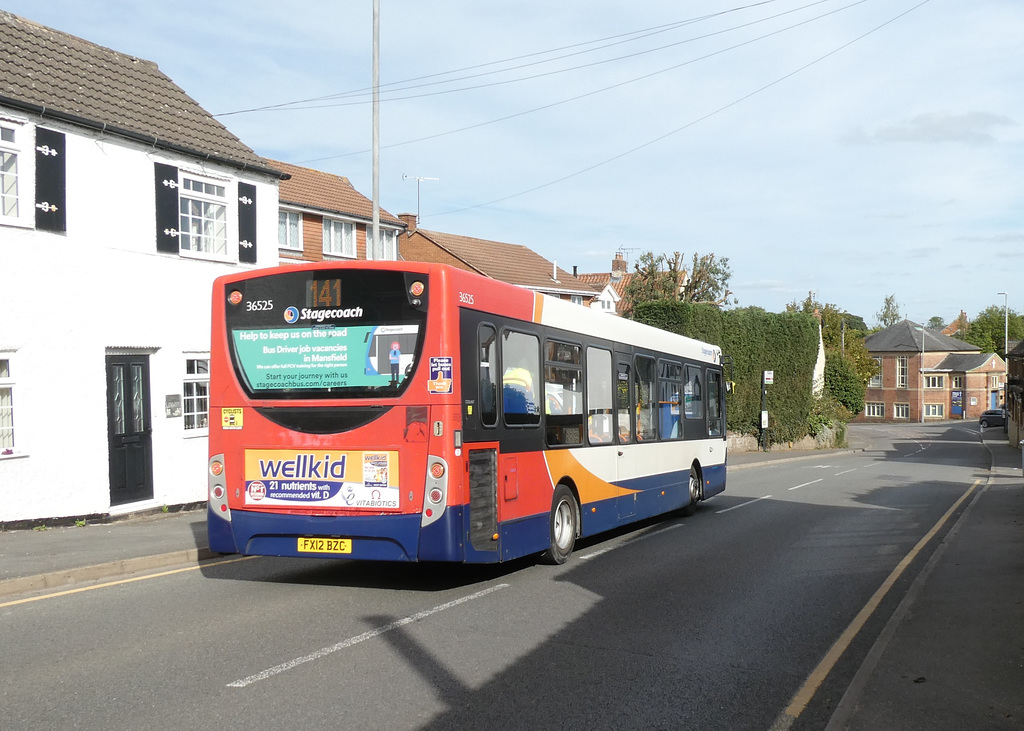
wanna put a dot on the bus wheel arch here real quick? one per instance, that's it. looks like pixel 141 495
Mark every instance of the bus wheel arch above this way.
pixel 695 487
pixel 563 525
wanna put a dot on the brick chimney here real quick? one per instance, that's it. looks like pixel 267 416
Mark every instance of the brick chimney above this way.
pixel 619 266
pixel 409 219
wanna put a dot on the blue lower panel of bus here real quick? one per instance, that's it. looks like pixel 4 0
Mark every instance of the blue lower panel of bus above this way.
pixel 714 479
pixel 374 538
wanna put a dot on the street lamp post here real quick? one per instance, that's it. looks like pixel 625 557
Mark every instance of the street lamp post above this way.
pixel 1006 345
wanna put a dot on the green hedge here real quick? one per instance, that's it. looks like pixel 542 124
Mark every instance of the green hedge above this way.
pixel 756 340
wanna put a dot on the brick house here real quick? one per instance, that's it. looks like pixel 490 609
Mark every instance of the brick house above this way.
pixel 610 285
pixel 323 217
pixel 924 375
pixel 512 263
pixel 121 199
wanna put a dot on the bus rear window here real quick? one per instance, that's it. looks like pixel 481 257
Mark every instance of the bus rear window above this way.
pixel 328 333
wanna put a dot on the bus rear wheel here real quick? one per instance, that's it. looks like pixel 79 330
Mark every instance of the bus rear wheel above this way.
pixel 563 526
pixel 695 491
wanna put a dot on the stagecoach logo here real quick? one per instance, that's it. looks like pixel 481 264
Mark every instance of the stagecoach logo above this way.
pixel 257 490
pixel 291 315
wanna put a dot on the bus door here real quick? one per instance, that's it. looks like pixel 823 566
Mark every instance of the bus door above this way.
pixel 625 424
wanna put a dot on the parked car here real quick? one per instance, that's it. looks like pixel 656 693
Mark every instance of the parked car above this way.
pixel 992 417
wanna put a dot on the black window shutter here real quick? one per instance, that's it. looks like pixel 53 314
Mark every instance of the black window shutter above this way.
pixel 51 181
pixel 247 223
pixel 166 208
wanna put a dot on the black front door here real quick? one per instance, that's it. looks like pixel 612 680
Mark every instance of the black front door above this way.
pixel 130 437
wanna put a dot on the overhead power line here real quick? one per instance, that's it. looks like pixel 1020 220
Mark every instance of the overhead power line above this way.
pixel 691 123
pixel 619 39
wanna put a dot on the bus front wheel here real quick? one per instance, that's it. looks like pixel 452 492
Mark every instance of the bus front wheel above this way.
pixel 564 525
pixel 695 491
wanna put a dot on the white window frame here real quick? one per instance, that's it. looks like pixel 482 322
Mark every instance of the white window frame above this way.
pixel 8 440
pixel 210 195
pixel 874 410
pixel 933 381
pixel 902 371
pixel 876 379
pixel 934 410
pixel 958 381
pixel 196 393
pixel 901 411
pixel 576 299
pixel 289 230
pixel 390 241
pixel 16 149
pixel 339 238
pixel 993 381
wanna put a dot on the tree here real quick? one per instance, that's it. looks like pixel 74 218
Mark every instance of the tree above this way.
pixel 889 315
pixel 659 277
pixel 936 323
pixel 987 329
pixel 843 383
pixel 841 332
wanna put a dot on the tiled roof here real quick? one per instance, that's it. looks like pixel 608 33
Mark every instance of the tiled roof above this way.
pixel 43 70
pixel 962 362
pixel 326 192
pixel 907 336
pixel 512 263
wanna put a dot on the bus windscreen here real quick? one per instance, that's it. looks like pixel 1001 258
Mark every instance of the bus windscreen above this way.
pixel 326 334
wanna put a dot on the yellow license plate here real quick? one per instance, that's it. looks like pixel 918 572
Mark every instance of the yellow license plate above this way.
pixel 325 545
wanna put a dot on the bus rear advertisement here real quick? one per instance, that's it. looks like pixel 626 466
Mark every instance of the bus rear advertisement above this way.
pixel 416 412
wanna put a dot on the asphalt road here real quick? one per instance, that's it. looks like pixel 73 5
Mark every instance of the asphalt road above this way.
pixel 717 621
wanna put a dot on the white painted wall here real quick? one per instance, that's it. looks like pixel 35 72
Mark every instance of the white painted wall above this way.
pixel 67 300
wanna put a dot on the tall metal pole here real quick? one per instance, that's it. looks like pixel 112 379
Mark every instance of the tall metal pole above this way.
pixel 378 249
pixel 1006 345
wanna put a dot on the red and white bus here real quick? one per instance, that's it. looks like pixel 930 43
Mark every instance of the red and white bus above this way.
pixel 415 412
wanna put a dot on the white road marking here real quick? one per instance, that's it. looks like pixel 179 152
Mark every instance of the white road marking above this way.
pixel 797 487
pixel 323 652
pixel 595 554
pixel 844 472
pixel 742 505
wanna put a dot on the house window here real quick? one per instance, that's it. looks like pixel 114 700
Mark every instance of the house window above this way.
pixel 389 245
pixel 958 381
pixel 8 174
pixel 901 371
pixel 196 386
pixel 993 381
pixel 901 411
pixel 933 381
pixel 289 230
pixel 203 216
pixel 874 410
pixel 6 408
pixel 576 299
pixel 934 410
pixel 876 379
pixel 339 239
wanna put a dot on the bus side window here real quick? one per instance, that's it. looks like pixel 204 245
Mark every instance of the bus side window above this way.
pixel 646 400
pixel 488 349
pixel 624 418
pixel 714 404
pixel 520 354
pixel 670 385
pixel 693 392
pixel 599 396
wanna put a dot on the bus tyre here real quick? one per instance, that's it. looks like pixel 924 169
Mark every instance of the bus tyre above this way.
pixel 564 525
pixel 695 492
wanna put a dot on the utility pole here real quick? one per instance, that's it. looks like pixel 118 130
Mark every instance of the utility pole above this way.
pixel 376 134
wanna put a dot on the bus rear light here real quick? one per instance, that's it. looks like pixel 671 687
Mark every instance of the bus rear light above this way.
pixel 435 490
pixel 218 492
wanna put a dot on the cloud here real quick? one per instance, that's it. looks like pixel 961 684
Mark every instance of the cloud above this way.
pixel 972 128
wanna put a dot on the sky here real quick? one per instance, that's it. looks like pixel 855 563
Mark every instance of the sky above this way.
pixel 855 149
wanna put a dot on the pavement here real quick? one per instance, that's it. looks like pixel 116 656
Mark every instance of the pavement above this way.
pixel 951 657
